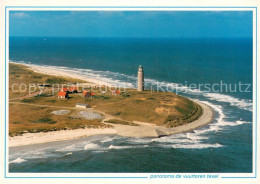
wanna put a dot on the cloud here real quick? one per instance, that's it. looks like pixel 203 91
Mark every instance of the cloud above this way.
pixel 19 15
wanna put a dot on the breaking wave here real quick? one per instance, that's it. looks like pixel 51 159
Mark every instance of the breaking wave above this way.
pixel 18 161
pixel 197 146
pixel 119 147
pixel 240 103
pixel 126 147
pixel 91 146
pixel 67 154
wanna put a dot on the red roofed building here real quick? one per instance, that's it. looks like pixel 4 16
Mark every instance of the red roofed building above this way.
pixel 73 89
pixel 63 94
pixel 86 94
pixel 118 92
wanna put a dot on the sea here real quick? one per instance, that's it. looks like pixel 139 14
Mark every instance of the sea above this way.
pixel 194 68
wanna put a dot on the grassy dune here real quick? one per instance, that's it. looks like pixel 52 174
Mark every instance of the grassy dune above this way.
pixel 20 74
pixel 160 108
pixel 26 118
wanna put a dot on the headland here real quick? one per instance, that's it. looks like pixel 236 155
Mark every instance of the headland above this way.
pixel 44 117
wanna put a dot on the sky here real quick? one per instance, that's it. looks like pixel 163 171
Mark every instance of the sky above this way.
pixel 137 24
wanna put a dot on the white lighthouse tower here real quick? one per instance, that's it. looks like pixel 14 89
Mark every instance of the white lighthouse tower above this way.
pixel 140 79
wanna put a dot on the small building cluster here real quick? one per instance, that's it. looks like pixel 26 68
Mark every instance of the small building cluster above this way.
pixel 64 92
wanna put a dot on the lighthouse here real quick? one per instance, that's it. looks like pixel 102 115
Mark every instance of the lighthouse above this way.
pixel 140 79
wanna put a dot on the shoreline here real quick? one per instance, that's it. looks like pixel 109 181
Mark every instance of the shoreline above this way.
pixel 48 70
pixel 141 131
pixel 54 136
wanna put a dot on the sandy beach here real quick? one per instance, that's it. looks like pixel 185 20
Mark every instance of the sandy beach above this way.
pixel 144 129
pixel 44 137
pixel 51 71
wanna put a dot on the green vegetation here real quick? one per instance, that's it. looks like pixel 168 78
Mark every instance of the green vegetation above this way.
pixel 55 80
pixel 126 95
pixel 103 97
pixel 16 122
pixel 52 101
pixel 42 95
pixel 122 122
pixel 45 120
pixel 172 121
pixel 116 113
pixel 28 100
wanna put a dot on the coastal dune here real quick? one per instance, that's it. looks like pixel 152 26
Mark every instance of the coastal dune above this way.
pixel 151 130
pixel 143 130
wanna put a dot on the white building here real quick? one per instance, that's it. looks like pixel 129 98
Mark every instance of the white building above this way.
pixel 82 105
pixel 140 79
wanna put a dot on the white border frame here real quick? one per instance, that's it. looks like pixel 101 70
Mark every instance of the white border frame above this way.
pixel 46 175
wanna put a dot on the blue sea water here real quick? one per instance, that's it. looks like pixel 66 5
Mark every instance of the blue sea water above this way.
pixel 225 145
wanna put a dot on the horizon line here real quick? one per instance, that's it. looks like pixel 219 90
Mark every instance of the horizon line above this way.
pixel 131 37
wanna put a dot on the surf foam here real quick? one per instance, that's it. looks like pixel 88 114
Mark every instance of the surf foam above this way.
pixel 197 146
pixel 90 146
pixel 18 161
pixel 240 103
